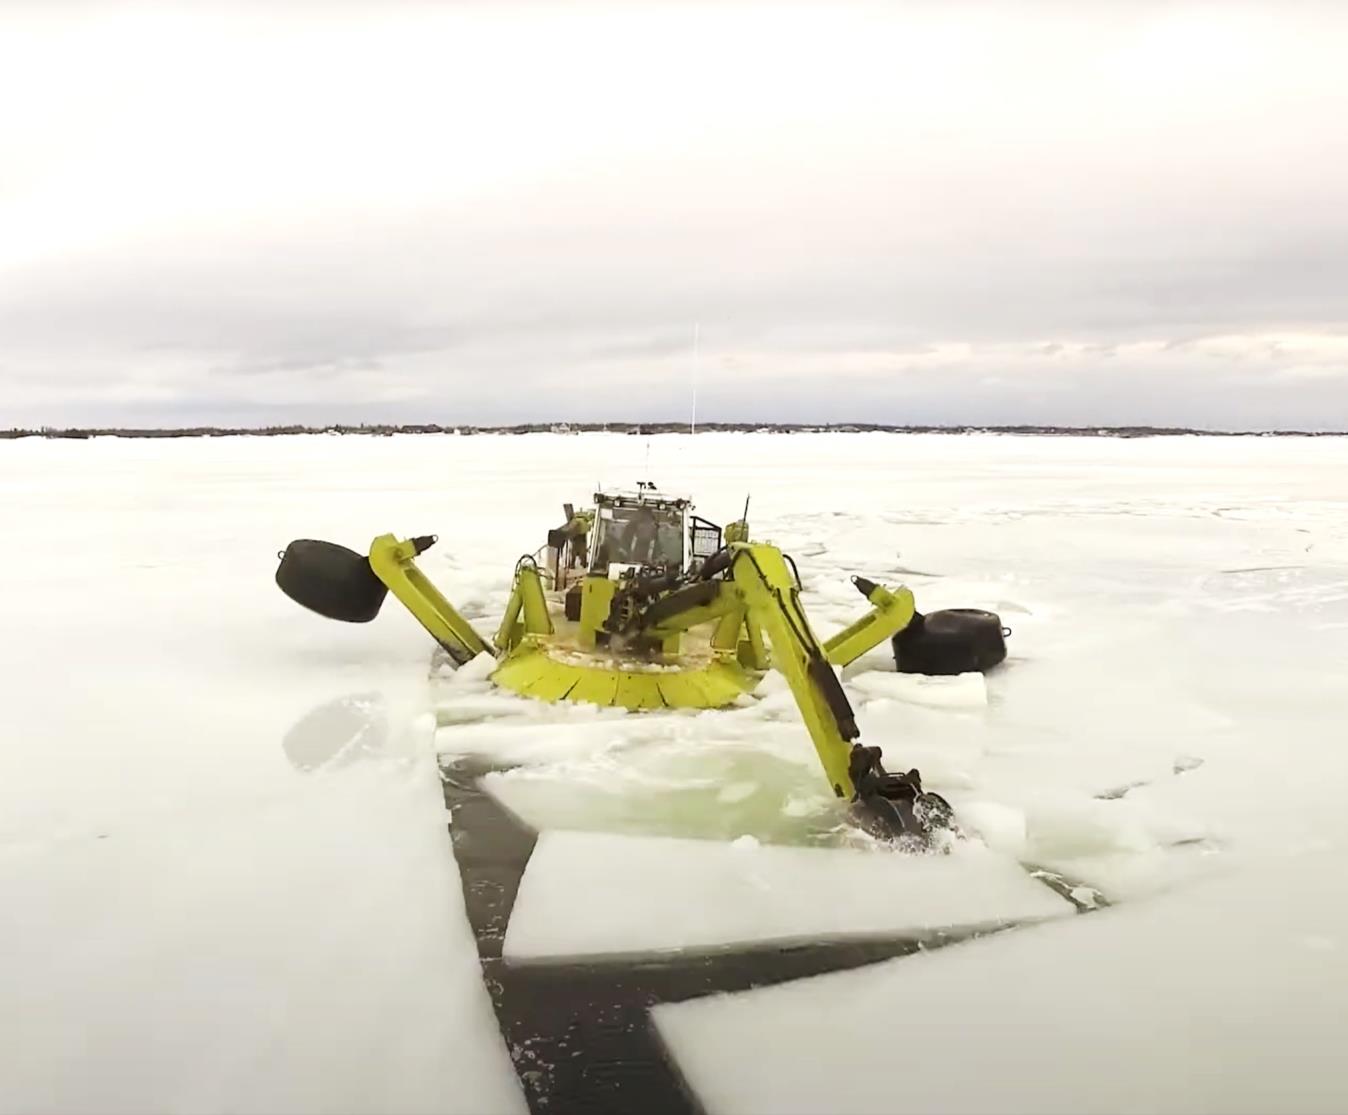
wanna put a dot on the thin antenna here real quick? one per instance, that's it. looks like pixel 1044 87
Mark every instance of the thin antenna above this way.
pixel 692 420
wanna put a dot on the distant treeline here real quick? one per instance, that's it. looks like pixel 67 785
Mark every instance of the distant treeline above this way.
pixel 380 430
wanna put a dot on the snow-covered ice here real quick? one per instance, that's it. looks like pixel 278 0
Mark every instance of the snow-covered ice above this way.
pixel 1228 1000
pixel 224 875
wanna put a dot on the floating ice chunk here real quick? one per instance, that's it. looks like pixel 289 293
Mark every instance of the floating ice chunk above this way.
pixel 419 735
pixel 1074 828
pixel 879 661
pixel 473 708
pixel 800 806
pixel 957 691
pixel 594 894
pixel 476 669
pixel 773 682
pixel 1001 827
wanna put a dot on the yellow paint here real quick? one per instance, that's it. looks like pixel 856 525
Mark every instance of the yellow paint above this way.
pixel 532 672
pixel 891 611
pixel 596 598
pixel 394 563
pixel 759 620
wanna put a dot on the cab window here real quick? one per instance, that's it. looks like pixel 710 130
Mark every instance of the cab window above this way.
pixel 640 536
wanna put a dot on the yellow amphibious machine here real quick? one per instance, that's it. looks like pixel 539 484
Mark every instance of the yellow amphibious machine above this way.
pixel 640 604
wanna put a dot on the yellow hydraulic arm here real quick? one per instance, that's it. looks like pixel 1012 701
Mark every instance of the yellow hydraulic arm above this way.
pixel 762 597
pixel 772 600
pixel 527 610
pixel 394 563
pixel 895 803
pixel 891 611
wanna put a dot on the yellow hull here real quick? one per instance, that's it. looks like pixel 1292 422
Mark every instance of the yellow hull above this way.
pixel 549 670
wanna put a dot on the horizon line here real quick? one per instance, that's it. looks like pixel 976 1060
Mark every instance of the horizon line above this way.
pixel 649 427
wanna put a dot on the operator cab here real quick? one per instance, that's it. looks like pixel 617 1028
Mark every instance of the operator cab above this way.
pixel 628 534
pixel 638 531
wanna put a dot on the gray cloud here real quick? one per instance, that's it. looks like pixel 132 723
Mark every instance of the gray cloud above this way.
pixel 899 213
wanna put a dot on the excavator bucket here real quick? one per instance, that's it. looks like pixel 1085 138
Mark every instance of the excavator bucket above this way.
pixel 895 805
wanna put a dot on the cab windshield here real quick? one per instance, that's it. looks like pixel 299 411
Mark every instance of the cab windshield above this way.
pixel 641 535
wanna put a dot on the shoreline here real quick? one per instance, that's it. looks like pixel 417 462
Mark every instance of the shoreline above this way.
pixel 643 429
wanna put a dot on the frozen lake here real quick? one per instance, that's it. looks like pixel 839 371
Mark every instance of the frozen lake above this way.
pixel 226 881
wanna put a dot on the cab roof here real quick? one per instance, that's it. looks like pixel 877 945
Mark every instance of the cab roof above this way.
pixel 645 497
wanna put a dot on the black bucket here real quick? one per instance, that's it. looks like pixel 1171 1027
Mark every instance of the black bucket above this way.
pixel 953 641
pixel 331 580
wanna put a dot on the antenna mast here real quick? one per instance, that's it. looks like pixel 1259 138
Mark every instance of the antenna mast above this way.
pixel 692 420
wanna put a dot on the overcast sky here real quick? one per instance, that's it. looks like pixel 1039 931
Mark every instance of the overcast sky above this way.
pixel 1058 213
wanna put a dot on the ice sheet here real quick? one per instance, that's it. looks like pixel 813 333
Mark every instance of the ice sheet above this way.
pixel 960 691
pixel 305 952
pixel 596 894
pixel 219 822
pixel 1231 1002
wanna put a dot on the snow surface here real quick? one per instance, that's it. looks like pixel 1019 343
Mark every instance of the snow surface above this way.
pixel 224 875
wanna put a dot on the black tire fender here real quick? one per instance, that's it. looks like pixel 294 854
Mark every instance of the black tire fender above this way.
pixel 951 641
pixel 331 580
